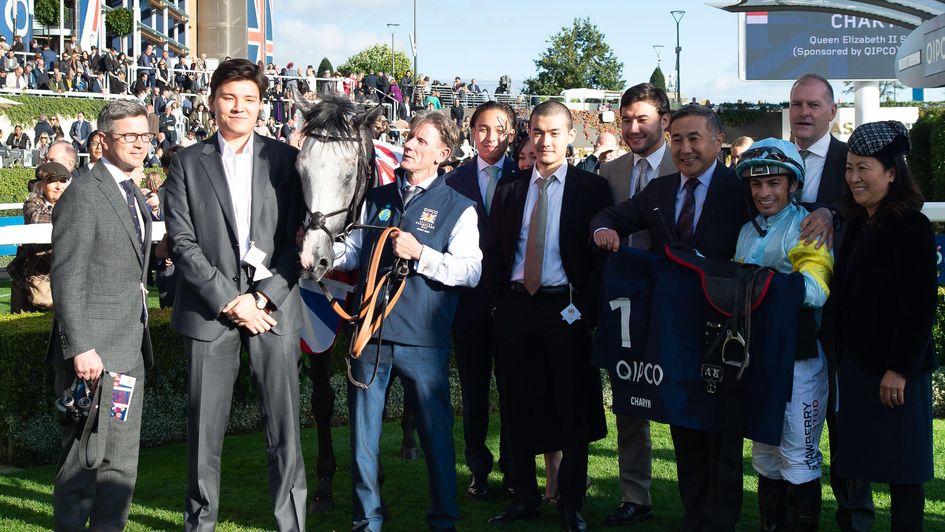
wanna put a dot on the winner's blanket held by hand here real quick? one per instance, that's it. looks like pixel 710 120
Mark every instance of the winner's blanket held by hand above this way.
pixel 651 338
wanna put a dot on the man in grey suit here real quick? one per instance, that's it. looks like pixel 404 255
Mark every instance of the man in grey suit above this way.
pixel 101 234
pixel 233 206
pixel 644 117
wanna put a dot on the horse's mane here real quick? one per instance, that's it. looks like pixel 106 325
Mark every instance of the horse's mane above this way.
pixel 331 115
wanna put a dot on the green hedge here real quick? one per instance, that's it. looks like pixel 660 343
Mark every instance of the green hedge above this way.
pixel 927 159
pixel 29 424
pixel 30 108
pixel 13 183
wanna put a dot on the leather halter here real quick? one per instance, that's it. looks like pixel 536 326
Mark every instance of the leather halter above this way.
pixel 317 219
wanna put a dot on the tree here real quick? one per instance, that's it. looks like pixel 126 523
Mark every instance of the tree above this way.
pixel 887 89
pixel 323 66
pixel 376 58
pixel 47 12
pixel 119 21
pixel 578 57
pixel 656 78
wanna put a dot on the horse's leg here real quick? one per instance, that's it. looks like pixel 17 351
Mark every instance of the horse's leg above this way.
pixel 323 407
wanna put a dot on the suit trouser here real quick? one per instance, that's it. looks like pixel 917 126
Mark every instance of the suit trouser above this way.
pixel 704 461
pixel 214 367
pixel 425 375
pixel 102 495
pixel 635 459
pixel 474 342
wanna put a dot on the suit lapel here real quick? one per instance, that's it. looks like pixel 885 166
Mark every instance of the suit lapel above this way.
pixel 213 165
pixel 829 180
pixel 666 203
pixel 116 198
pixel 624 169
pixel 667 166
pixel 260 183
pixel 569 208
pixel 469 181
pixel 713 199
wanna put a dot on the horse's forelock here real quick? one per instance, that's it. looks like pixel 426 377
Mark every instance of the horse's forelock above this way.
pixel 331 115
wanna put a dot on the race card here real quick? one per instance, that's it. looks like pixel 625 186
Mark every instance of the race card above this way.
pixel 122 390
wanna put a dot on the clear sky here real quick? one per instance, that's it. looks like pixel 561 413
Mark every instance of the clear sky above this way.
pixel 485 39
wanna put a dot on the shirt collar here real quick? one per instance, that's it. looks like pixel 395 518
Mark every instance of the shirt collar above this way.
pixel 705 177
pixel 558 174
pixel 227 151
pixel 482 164
pixel 820 147
pixel 425 184
pixel 654 159
pixel 113 170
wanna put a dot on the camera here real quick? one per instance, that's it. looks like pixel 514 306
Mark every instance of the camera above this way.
pixel 76 401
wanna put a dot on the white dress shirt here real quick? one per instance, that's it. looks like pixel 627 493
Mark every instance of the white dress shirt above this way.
pixel 552 268
pixel 814 168
pixel 238 168
pixel 481 166
pixel 653 170
pixel 700 192
pixel 461 265
pixel 120 176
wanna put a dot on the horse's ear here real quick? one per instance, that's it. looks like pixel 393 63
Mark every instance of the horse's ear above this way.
pixel 367 118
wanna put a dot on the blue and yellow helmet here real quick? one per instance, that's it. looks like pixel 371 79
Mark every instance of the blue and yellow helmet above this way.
pixel 771 156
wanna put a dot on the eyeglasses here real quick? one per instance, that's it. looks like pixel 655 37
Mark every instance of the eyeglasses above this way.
pixel 131 138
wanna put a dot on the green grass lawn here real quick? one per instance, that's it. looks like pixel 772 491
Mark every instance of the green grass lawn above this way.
pixel 5 296
pixel 25 495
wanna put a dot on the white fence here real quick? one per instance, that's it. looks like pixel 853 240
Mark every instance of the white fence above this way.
pixel 41 233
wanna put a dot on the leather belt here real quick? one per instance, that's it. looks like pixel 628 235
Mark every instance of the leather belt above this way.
pixel 561 290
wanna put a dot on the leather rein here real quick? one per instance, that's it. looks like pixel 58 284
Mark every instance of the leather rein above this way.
pixel 377 299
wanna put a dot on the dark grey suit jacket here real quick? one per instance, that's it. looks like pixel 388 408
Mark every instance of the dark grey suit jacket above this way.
pixel 97 273
pixel 202 227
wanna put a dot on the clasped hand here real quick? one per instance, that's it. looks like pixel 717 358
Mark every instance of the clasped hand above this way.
pixel 243 312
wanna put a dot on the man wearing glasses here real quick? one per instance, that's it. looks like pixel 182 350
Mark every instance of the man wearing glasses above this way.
pixel 101 322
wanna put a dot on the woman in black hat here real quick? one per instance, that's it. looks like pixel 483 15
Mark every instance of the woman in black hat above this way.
pixel 879 322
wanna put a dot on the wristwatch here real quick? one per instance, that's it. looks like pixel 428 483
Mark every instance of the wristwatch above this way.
pixel 260 301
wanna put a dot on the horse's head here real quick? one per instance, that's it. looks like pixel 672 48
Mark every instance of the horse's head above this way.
pixel 336 164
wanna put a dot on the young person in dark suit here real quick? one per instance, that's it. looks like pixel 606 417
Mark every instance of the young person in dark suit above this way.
pixel 492 126
pixel 539 268
pixel 703 205
pixel 812 108
pixel 644 117
pixel 102 234
pixel 233 204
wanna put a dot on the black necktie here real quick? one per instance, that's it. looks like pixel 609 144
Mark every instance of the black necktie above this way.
pixel 129 189
pixel 686 224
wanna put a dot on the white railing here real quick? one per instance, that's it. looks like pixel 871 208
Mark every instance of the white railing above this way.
pixel 41 233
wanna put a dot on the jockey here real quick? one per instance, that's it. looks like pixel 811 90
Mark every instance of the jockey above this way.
pixel 789 491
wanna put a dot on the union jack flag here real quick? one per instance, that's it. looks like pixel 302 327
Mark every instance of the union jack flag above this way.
pixel 388 157
pixel 259 30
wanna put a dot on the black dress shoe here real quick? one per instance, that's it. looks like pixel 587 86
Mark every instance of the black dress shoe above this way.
pixel 573 521
pixel 479 487
pixel 628 512
pixel 516 512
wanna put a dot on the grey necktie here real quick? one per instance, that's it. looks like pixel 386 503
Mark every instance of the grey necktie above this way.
pixel 804 153
pixel 408 192
pixel 642 167
pixel 535 243
pixel 493 172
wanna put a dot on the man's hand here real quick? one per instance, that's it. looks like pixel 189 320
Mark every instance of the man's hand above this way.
pixel 88 365
pixel 153 201
pixel 607 239
pixel 241 310
pixel 405 245
pixel 818 225
pixel 892 389
pixel 261 323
